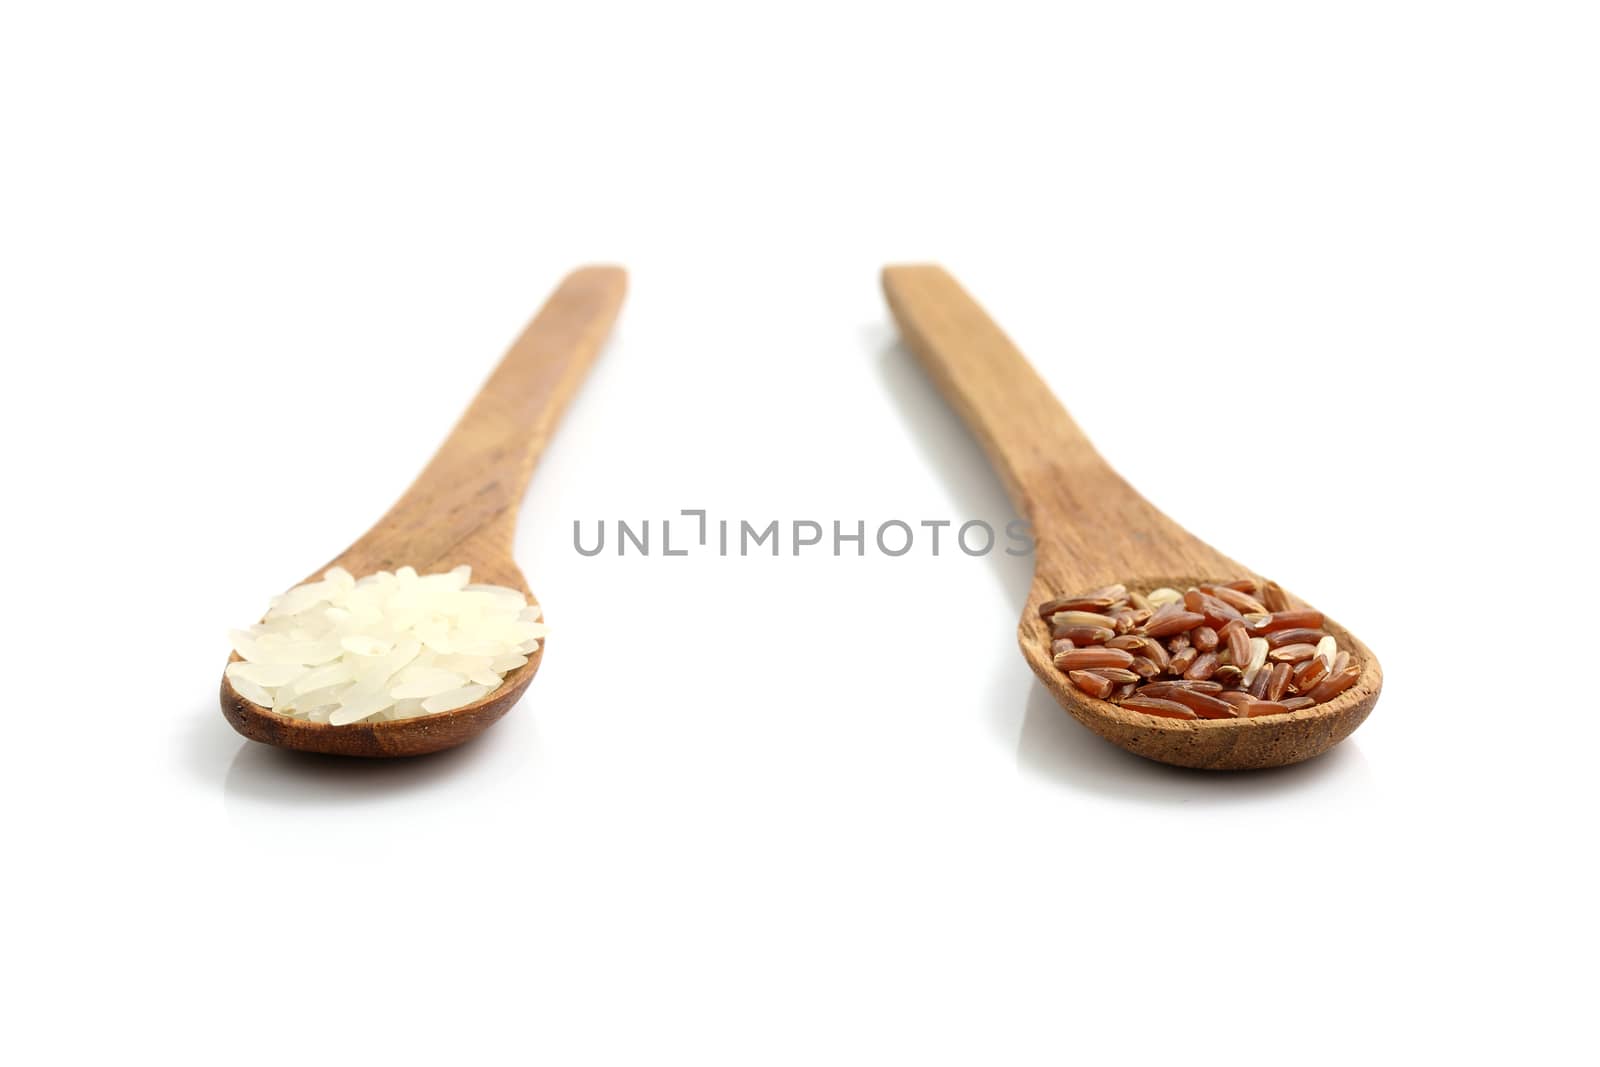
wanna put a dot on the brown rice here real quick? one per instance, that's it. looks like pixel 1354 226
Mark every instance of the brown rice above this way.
pixel 1236 649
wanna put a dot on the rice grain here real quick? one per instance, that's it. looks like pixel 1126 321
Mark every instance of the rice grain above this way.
pixel 1213 650
pixel 387 646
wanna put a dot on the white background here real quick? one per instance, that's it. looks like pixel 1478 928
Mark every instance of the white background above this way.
pixel 252 265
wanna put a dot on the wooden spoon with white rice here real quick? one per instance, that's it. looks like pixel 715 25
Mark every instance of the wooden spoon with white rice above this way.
pixel 424 632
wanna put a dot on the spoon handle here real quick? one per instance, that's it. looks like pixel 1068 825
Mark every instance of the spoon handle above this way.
pixel 473 485
pixel 1089 520
pixel 1029 437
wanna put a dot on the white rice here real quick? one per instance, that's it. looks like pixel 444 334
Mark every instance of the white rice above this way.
pixel 388 646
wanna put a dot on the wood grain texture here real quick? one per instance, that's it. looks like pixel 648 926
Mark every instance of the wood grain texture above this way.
pixel 463 509
pixel 1093 530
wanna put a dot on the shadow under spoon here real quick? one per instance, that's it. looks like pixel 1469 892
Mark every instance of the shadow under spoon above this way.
pixel 463 509
pixel 1093 531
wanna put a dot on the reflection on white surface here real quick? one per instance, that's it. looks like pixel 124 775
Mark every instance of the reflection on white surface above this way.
pixel 252 775
pixel 262 774
pixel 1055 747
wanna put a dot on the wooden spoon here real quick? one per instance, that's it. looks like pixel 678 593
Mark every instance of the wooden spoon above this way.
pixel 463 509
pixel 1094 530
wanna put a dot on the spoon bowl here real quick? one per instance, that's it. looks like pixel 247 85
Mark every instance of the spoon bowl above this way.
pixel 462 509
pixel 1215 744
pixel 1094 530
pixel 416 736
